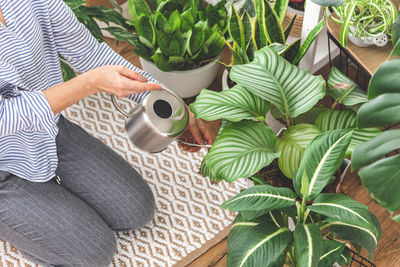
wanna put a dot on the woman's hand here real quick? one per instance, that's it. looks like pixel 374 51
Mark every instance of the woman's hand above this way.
pixel 199 131
pixel 118 80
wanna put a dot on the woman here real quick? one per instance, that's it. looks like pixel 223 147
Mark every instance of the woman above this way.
pixel 62 191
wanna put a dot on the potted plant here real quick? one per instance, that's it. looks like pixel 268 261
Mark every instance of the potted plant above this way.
pixel 365 22
pixel 249 34
pixel 179 41
pixel 377 160
pixel 304 227
pixel 246 144
pixel 295 11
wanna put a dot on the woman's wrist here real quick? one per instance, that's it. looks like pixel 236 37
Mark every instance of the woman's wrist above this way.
pixel 89 82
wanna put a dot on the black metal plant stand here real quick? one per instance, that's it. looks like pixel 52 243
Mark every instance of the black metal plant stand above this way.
pixel 359 261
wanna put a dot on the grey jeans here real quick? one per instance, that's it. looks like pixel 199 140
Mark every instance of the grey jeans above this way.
pixel 71 224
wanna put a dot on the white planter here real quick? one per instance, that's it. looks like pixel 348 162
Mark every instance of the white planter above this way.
pixel 224 80
pixel 379 40
pixel 185 83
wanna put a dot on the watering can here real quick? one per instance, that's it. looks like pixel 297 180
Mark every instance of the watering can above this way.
pixel 157 121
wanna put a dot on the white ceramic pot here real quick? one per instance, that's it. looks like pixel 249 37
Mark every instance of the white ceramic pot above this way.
pixel 379 40
pixel 185 83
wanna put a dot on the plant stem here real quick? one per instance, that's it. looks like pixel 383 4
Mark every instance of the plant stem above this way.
pixel 334 105
pixel 288 122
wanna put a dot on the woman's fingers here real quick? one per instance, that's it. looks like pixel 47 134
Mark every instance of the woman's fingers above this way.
pixel 134 87
pixel 131 74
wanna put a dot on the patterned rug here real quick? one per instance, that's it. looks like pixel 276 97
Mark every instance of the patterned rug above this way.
pixel 188 219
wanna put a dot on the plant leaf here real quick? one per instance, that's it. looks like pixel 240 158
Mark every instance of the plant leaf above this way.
pixel 235 104
pixel 344 90
pixel 272 25
pixel 308 245
pixel 361 136
pixel 239 225
pixel 336 119
pixel 241 150
pixel 345 257
pixel 261 197
pixel 383 81
pixel 138 8
pixel 292 146
pixel 344 209
pixel 292 90
pixel 382 180
pixel 292 50
pixel 236 29
pixel 360 235
pixel 280 7
pixel 332 252
pixel 290 26
pixel 195 39
pixel 262 244
pixel 321 159
pixel 328 2
pixel 346 24
pixel 380 111
pixel 260 20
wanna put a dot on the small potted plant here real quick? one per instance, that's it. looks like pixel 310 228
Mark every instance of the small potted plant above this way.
pixel 301 227
pixel 365 22
pixel 295 11
pixel 179 41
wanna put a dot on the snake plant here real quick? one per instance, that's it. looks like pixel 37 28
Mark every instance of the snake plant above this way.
pixel 262 235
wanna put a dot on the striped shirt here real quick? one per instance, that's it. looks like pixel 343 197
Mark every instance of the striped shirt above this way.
pixel 37 31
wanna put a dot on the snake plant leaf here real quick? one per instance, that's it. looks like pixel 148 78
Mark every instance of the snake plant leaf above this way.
pixel 308 245
pixel 247 28
pixel 383 81
pixel 321 159
pixel 375 148
pixel 331 253
pixel 292 50
pixel 280 7
pixel 241 150
pixel 290 26
pixel 260 20
pixel 336 119
pixel 195 39
pixel 344 90
pixel 236 29
pixel 138 8
pixel 328 2
pixel 262 245
pixel 344 209
pixel 346 23
pixel 261 197
pixel 292 90
pixel 278 48
pixel 309 40
pixel 382 180
pixel 272 25
pixel 292 146
pixel 354 233
pixel 235 104
pixel 240 225
pixel 381 111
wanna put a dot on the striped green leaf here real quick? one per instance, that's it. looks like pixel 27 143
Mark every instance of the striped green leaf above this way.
pixel 241 150
pixel 361 136
pixel 272 25
pixel 261 197
pixel 280 7
pixel 321 159
pixel 346 24
pixel 292 146
pixel 292 90
pixel 260 20
pixel 235 28
pixel 332 252
pixel 344 90
pixel 247 27
pixel 308 245
pixel 354 233
pixel 344 209
pixel 206 172
pixel 336 119
pixel 259 246
pixel 235 104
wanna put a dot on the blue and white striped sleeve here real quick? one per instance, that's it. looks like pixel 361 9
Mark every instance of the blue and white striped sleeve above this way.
pixel 76 44
pixel 25 111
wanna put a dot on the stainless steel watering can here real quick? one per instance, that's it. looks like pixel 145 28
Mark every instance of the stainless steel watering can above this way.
pixel 157 121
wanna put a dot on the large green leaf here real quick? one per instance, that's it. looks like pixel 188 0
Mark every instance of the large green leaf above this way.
pixel 258 246
pixel 385 79
pixel 292 90
pixel 396 36
pixel 272 25
pixel 361 136
pixel 344 209
pixel 382 180
pixel 241 150
pixel 308 246
pixel 336 119
pixel 280 7
pixel 146 32
pixel 375 148
pixel 235 28
pixel 261 197
pixel 344 90
pixel 358 234
pixel 195 39
pixel 322 158
pixel 332 252
pixel 138 8
pixel 235 104
pixel 380 111
pixel 239 225
pixel 292 145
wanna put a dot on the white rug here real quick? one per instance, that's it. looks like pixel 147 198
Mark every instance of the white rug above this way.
pixel 188 218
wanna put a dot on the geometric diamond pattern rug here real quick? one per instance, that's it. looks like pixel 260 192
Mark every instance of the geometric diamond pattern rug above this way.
pixel 188 219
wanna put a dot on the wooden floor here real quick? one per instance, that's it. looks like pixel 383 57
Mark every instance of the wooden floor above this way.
pixel 388 252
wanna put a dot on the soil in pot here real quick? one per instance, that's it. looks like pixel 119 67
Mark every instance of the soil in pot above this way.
pixel 297 5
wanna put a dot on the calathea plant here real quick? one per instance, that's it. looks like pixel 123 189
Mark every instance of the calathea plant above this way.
pixel 377 160
pixel 246 144
pixel 249 34
pixel 261 235
pixel 177 34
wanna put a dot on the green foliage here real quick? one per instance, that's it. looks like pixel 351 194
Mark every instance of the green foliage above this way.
pixel 250 240
pixel 264 29
pixel 177 34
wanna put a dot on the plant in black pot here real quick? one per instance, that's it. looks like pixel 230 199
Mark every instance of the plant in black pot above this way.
pixel 304 227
